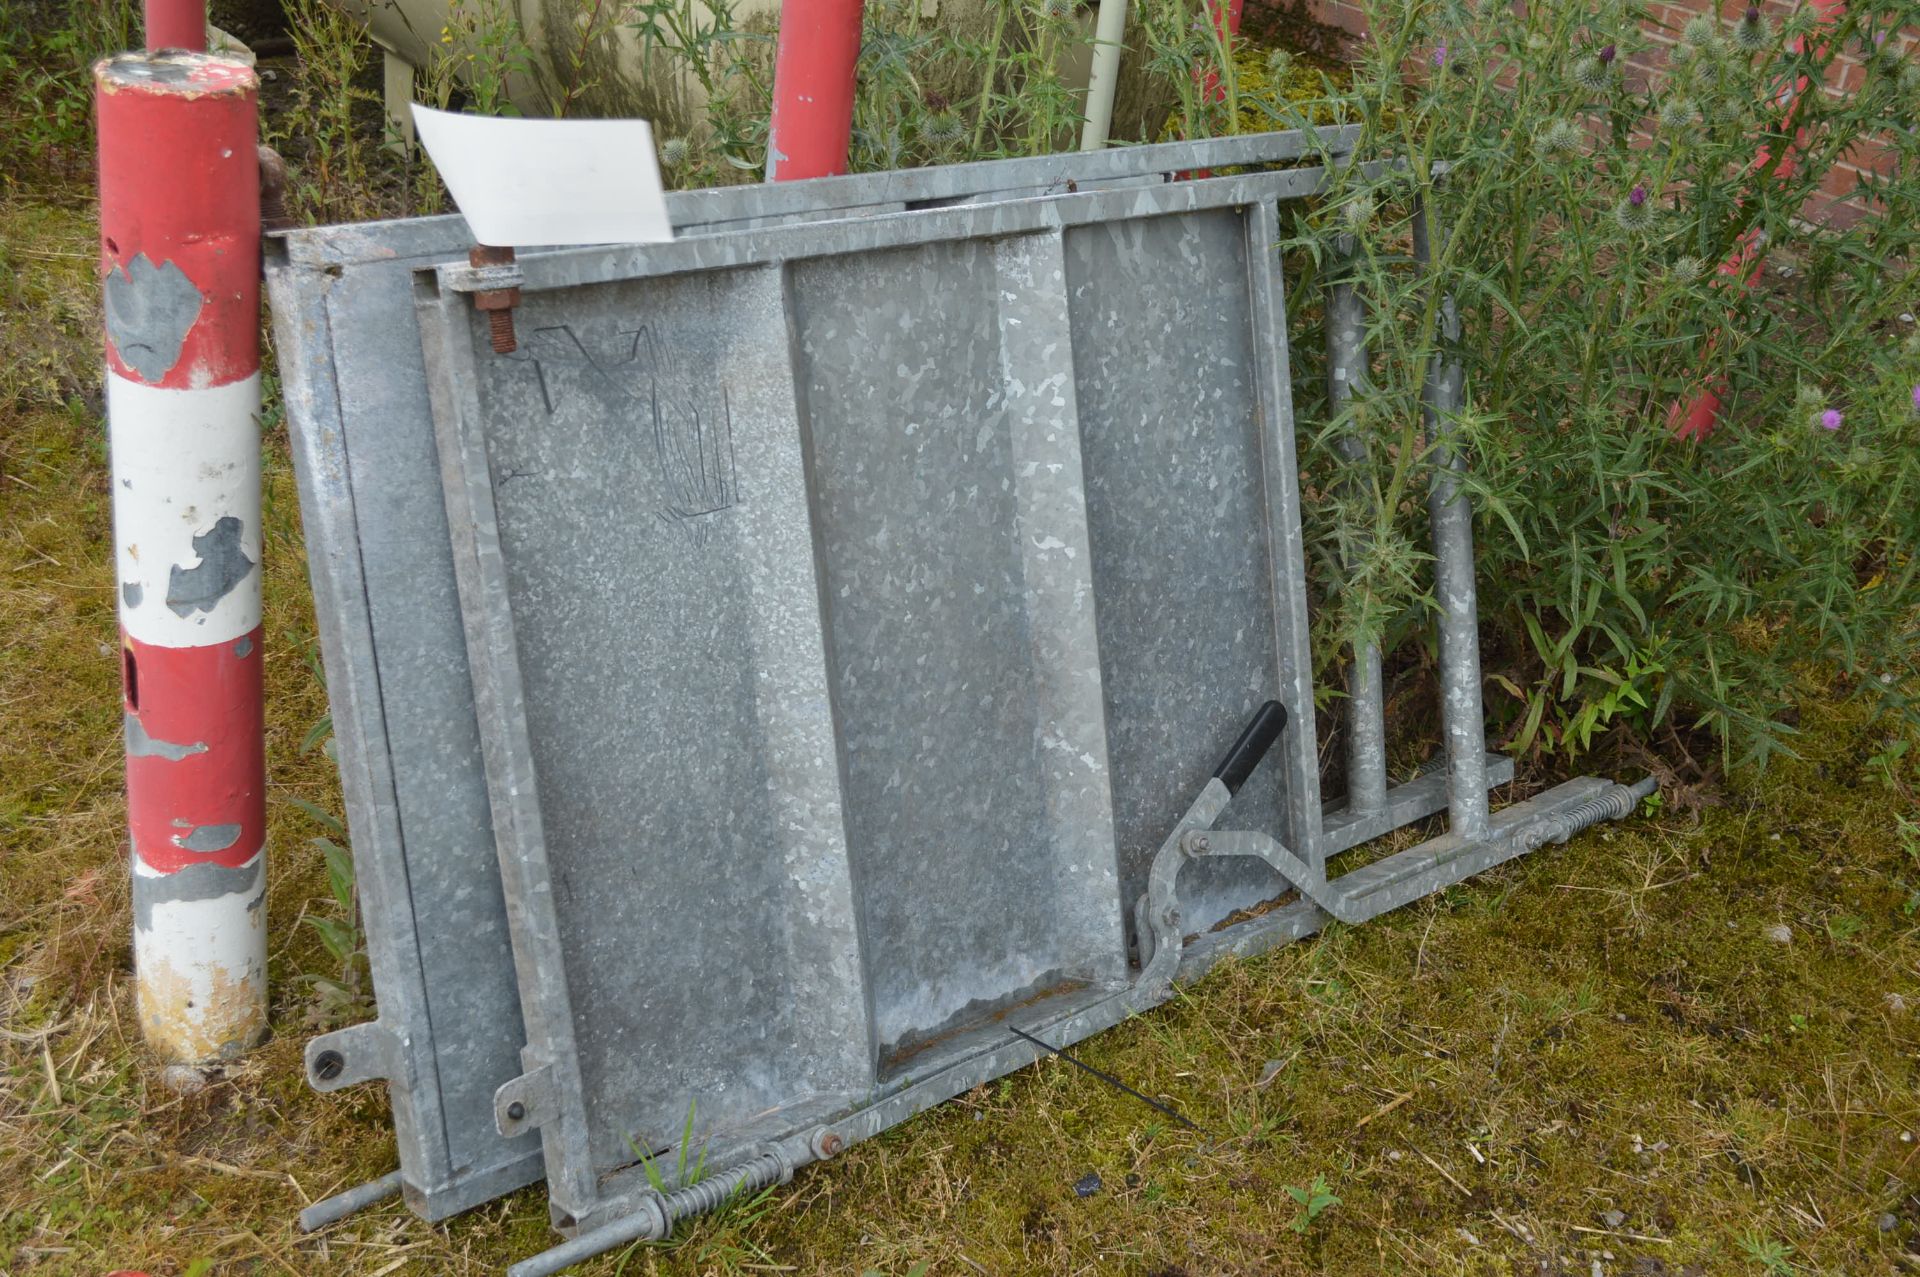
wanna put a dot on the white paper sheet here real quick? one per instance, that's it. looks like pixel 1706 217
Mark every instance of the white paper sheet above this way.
pixel 523 182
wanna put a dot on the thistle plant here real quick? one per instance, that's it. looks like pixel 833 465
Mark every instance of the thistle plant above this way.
pixel 1601 287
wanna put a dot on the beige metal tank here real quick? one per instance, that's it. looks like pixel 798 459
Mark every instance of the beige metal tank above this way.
pixel 615 77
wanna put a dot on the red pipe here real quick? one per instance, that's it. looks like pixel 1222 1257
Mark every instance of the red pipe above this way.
pixel 813 78
pixel 177 24
pixel 1696 419
pixel 1227 22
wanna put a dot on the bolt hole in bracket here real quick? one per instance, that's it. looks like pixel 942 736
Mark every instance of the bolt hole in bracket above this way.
pixel 359 1053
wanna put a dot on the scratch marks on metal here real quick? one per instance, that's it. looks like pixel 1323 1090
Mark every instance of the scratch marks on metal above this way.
pixel 691 417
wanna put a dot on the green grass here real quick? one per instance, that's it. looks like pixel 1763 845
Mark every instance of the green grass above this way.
pixel 1482 1080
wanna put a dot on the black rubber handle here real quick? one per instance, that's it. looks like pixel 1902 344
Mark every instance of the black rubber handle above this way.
pixel 1268 722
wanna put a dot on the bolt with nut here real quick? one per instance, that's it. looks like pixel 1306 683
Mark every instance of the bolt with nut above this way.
pixel 497 302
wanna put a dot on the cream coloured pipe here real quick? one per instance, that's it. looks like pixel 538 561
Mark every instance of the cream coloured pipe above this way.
pixel 1109 29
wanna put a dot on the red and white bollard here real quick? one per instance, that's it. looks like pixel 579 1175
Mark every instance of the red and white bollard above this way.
pixel 813 76
pixel 180 263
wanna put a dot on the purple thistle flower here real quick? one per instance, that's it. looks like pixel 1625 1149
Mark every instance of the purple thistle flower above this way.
pixel 1607 55
pixel 1440 55
pixel 1637 196
pixel 1831 419
pixel 1916 397
pixel 1753 13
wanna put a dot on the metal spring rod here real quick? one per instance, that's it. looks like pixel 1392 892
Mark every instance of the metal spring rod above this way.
pixel 1347 374
pixel 1450 517
pixel 655 1214
pixel 1615 803
pixel 329 1210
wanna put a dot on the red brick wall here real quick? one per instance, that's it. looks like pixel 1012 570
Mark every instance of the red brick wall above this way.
pixel 1669 18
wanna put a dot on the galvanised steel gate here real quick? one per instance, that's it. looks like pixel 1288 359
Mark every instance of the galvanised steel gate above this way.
pixel 851 608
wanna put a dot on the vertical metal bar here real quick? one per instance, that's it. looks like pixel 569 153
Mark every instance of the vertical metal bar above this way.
pixel 1050 486
pixel 819 45
pixel 396 95
pixel 342 617
pixel 180 257
pixel 177 24
pixel 1110 28
pixel 1300 768
pixel 451 328
pixel 1450 516
pixel 1347 374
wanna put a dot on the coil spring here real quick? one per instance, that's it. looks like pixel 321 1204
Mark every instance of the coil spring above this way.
pixel 1613 803
pixel 709 1194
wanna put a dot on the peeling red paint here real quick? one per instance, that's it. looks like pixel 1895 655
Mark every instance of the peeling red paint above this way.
pixel 205 703
pixel 179 182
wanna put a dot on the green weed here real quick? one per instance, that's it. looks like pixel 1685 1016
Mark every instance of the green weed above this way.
pixel 1314 1200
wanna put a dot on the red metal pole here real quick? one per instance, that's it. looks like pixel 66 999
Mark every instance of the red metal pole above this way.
pixel 180 266
pixel 1697 418
pixel 813 77
pixel 177 24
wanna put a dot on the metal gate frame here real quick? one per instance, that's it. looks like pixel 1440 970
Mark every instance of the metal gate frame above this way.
pixel 609 1205
pixel 406 738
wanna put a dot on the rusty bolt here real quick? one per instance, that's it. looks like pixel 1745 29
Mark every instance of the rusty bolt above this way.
pixel 1199 844
pixel 498 302
pixel 829 1144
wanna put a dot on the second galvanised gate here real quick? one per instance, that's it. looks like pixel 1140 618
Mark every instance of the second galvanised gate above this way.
pixel 864 622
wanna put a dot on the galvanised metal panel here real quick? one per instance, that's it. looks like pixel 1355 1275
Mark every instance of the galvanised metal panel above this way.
pixel 821 587
pixel 449 1030
pixel 1164 357
pixel 953 554
pixel 806 519
pixel 407 742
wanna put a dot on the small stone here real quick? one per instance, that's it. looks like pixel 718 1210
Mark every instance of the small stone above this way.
pixel 1613 1218
pixel 1394 1155
pixel 1087 1185
pixel 1779 933
pixel 1888 1223
pixel 183 1079
pixel 1269 1071
pixel 1467 1237
pixel 1896 1003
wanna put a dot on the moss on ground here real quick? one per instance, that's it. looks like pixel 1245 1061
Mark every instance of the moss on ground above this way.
pixel 1597 1055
